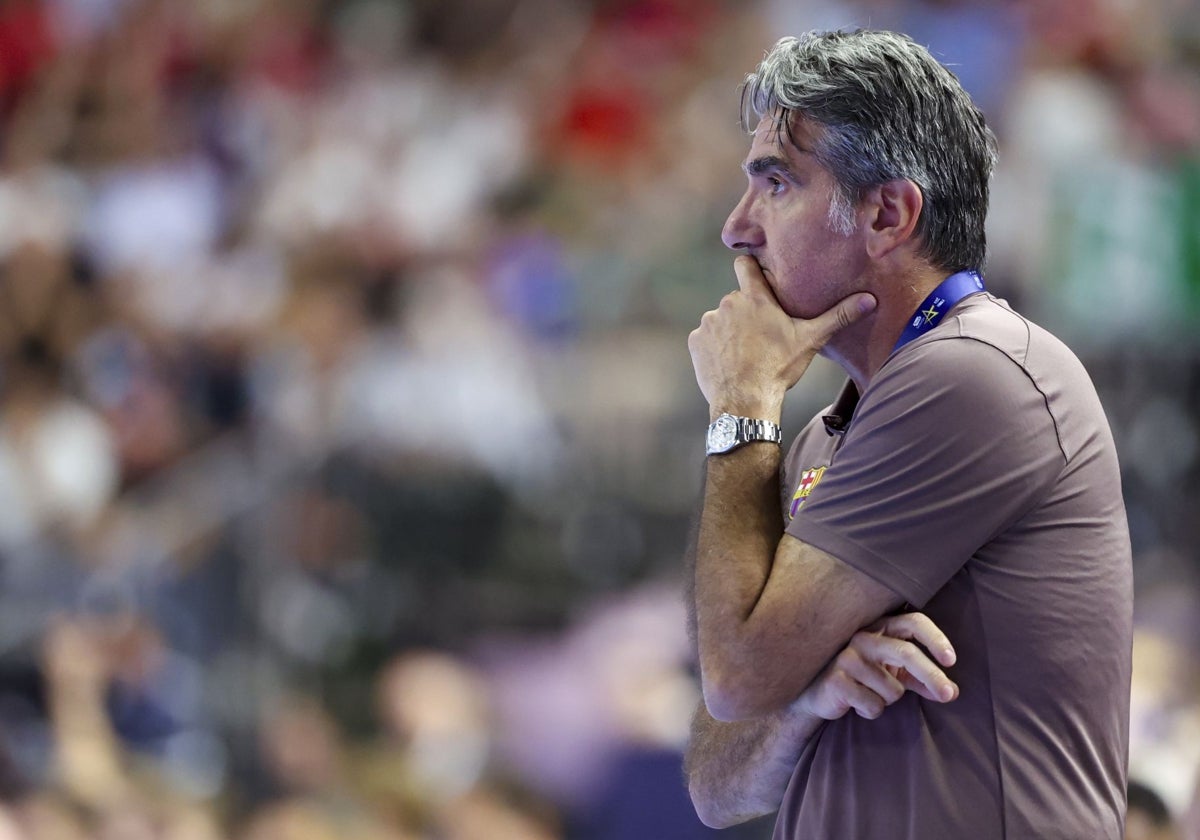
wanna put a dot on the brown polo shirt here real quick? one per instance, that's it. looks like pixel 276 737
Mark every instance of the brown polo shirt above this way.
pixel 977 478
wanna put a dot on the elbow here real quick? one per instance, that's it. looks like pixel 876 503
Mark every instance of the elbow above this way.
pixel 726 704
pixel 747 678
pixel 710 816
pixel 708 808
pixel 738 694
pixel 717 809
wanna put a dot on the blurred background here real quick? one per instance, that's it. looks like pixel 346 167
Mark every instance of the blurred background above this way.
pixel 348 434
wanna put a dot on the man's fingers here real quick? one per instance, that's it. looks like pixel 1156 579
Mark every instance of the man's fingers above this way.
pixel 750 275
pixel 942 691
pixel 852 694
pixel 841 315
pixel 883 662
pixel 878 679
pixel 921 670
pixel 919 628
pixel 931 684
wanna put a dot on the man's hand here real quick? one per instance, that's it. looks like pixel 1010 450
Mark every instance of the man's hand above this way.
pixel 748 352
pixel 879 664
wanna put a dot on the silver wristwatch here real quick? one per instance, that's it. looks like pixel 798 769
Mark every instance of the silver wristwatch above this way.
pixel 727 433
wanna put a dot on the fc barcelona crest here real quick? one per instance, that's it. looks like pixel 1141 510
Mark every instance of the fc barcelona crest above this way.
pixel 808 480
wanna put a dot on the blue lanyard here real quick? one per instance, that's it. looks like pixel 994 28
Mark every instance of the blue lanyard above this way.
pixel 940 301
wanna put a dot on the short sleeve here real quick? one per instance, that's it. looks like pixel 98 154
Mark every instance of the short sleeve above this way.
pixel 951 443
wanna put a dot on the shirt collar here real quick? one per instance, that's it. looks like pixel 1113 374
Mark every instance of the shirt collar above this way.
pixel 837 421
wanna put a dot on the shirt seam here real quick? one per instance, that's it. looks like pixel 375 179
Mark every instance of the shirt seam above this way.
pixel 1023 367
pixel 955 315
pixel 1066 460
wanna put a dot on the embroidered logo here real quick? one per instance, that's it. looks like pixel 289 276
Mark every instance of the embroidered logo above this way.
pixel 808 480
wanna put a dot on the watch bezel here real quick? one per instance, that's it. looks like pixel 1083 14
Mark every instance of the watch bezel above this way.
pixel 722 433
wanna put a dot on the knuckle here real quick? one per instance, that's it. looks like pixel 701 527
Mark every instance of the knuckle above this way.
pixel 906 652
pixel 871 710
pixel 850 660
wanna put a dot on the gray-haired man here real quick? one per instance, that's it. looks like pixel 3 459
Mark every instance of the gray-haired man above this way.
pixel 966 470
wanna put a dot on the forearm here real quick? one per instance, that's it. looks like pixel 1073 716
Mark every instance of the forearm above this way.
pixel 739 771
pixel 739 530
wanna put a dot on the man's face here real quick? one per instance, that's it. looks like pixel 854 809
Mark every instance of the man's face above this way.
pixel 784 221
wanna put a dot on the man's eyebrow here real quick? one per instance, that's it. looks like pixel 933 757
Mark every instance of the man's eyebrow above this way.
pixel 769 163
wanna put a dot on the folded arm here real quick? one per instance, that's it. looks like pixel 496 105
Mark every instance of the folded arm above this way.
pixel 762 598
pixel 738 771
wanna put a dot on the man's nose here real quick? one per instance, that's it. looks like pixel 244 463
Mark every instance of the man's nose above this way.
pixel 741 232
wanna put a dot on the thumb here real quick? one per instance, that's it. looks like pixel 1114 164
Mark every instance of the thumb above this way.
pixel 841 315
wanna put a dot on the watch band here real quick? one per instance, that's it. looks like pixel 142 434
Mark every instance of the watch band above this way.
pixel 728 432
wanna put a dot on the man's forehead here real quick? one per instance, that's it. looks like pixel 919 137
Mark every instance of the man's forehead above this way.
pixel 794 139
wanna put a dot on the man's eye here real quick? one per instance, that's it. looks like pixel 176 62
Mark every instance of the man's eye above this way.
pixel 776 185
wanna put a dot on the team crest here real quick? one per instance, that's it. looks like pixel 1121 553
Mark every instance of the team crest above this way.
pixel 808 480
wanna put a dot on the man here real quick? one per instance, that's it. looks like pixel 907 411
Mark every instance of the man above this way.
pixel 966 471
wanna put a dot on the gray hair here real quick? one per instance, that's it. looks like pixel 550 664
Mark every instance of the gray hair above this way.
pixel 888 111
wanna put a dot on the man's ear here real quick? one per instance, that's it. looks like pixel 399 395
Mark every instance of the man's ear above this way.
pixel 893 210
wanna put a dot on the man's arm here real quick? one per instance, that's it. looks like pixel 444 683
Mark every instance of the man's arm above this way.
pixel 738 771
pixel 763 599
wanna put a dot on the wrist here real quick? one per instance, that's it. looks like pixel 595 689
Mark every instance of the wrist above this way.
pixel 760 408
pixel 729 432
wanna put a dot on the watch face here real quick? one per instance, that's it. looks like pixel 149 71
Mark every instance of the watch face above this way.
pixel 722 434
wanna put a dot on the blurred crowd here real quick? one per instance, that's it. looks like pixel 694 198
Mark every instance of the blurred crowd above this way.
pixel 348 436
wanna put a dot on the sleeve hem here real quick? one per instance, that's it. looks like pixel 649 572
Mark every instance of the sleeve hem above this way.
pixel 861 559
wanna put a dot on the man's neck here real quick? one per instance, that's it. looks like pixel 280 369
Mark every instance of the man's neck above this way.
pixel 863 347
